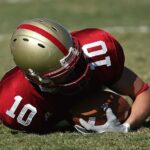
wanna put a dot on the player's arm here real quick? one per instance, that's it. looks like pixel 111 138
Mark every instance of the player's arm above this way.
pixel 130 84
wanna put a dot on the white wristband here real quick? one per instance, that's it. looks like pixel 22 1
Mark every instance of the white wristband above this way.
pixel 127 126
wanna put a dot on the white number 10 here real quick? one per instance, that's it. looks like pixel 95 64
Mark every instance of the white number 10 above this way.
pixel 23 111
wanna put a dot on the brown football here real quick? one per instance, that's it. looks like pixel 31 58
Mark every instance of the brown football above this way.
pixel 89 107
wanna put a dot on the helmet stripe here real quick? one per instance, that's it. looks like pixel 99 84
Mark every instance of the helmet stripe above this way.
pixel 47 35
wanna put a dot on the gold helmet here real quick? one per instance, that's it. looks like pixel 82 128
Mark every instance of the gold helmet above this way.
pixel 44 50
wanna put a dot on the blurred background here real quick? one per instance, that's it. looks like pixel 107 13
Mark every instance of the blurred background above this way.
pixel 127 20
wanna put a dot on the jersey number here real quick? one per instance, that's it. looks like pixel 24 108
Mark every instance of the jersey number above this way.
pixel 23 112
pixel 103 50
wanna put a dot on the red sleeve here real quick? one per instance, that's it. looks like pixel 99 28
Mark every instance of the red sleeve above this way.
pixel 143 88
pixel 21 106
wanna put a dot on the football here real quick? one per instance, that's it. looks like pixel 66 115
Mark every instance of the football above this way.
pixel 90 108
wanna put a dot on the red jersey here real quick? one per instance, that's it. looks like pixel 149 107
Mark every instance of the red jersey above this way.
pixel 105 54
pixel 24 107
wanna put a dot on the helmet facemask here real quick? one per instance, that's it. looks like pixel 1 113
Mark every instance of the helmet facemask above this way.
pixel 73 76
pixel 52 81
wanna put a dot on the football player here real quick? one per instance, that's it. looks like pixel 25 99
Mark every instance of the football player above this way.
pixel 53 67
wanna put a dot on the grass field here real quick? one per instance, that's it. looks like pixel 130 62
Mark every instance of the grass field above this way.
pixel 127 20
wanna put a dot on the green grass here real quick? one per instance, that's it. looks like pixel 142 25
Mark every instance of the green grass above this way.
pixel 76 14
pixel 73 141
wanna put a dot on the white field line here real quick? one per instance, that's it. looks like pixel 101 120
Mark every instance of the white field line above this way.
pixel 129 29
pixel 20 1
pixel 15 1
pixel 117 29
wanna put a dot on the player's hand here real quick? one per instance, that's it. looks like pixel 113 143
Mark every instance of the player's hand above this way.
pixel 112 125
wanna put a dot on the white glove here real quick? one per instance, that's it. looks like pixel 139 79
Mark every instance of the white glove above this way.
pixel 112 124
